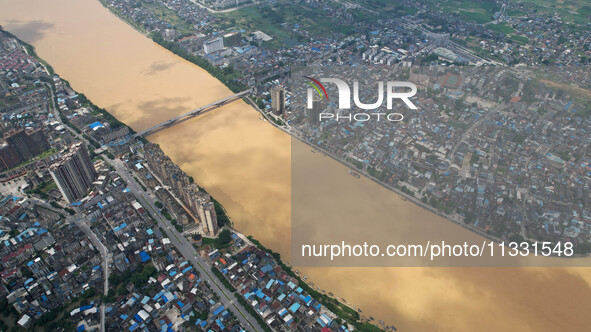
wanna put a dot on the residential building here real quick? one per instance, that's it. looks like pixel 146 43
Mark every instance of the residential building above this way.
pixel 277 99
pixel 213 45
pixel 8 157
pixel 37 142
pixel 19 141
pixel 313 114
pixel 208 218
pixel 26 145
pixel 74 173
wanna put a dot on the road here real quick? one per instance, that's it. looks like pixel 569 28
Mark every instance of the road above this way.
pixel 178 240
pixel 83 225
pixel 186 249
pixel 473 127
pixel 223 10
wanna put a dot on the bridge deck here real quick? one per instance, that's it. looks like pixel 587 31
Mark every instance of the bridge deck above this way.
pixel 193 113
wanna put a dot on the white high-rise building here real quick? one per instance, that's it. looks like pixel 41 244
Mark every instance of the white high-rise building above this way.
pixel 208 218
pixel 213 45
pixel 277 99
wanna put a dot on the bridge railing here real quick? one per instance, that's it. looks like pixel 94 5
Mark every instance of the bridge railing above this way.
pixel 170 122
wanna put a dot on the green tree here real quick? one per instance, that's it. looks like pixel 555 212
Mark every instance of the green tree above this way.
pixel 224 237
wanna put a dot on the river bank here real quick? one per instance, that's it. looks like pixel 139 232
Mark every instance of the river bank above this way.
pixel 245 164
pixel 202 63
pixel 340 309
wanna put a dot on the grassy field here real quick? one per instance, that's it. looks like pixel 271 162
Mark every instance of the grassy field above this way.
pixel 169 16
pixel 383 8
pixel 580 95
pixel 251 19
pixel 509 32
pixel 515 12
pixel 35 158
pixel 519 39
pixel 479 11
pixel 574 11
pixel 313 20
pixel 48 186
pixel 501 27
pixel 270 19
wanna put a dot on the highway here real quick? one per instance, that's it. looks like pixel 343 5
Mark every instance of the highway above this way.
pixel 186 249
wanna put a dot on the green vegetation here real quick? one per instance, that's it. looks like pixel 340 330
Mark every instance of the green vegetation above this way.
pixel 511 12
pixel 224 237
pixel 113 122
pixel 223 279
pixel 519 138
pixel 313 20
pixel 109 155
pixel 227 75
pixel 501 27
pixel 222 216
pixel 519 39
pixel 407 191
pixel 176 225
pixel 476 17
pixel 269 19
pixel 582 248
pixel 118 13
pixel 457 124
pixel 166 214
pixel 91 141
pixel 277 121
pixel 30 50
pixel 365 16
pixel 479 11
pixel 198 315
pixel 7 100
pixel 221 242
pixel 139 278
pixel 42 189
pixel 56 320
pixel 444 206
pixel 376 174
pixel 141 185
pixel 373 10
pixel 340 309
pixel 8 315
pixel 170 16
pixel 34 159
pixel 252 312
pixel 573 11
pixel 355 162
pixel 253 18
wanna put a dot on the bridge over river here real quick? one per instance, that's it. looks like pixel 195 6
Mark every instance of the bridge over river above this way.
pixel 183 117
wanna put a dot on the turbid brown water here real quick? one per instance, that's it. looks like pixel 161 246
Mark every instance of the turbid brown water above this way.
pixel 245 163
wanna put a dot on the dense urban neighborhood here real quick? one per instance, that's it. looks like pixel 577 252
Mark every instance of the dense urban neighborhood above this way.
pixel 505 154
pixel 101 230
